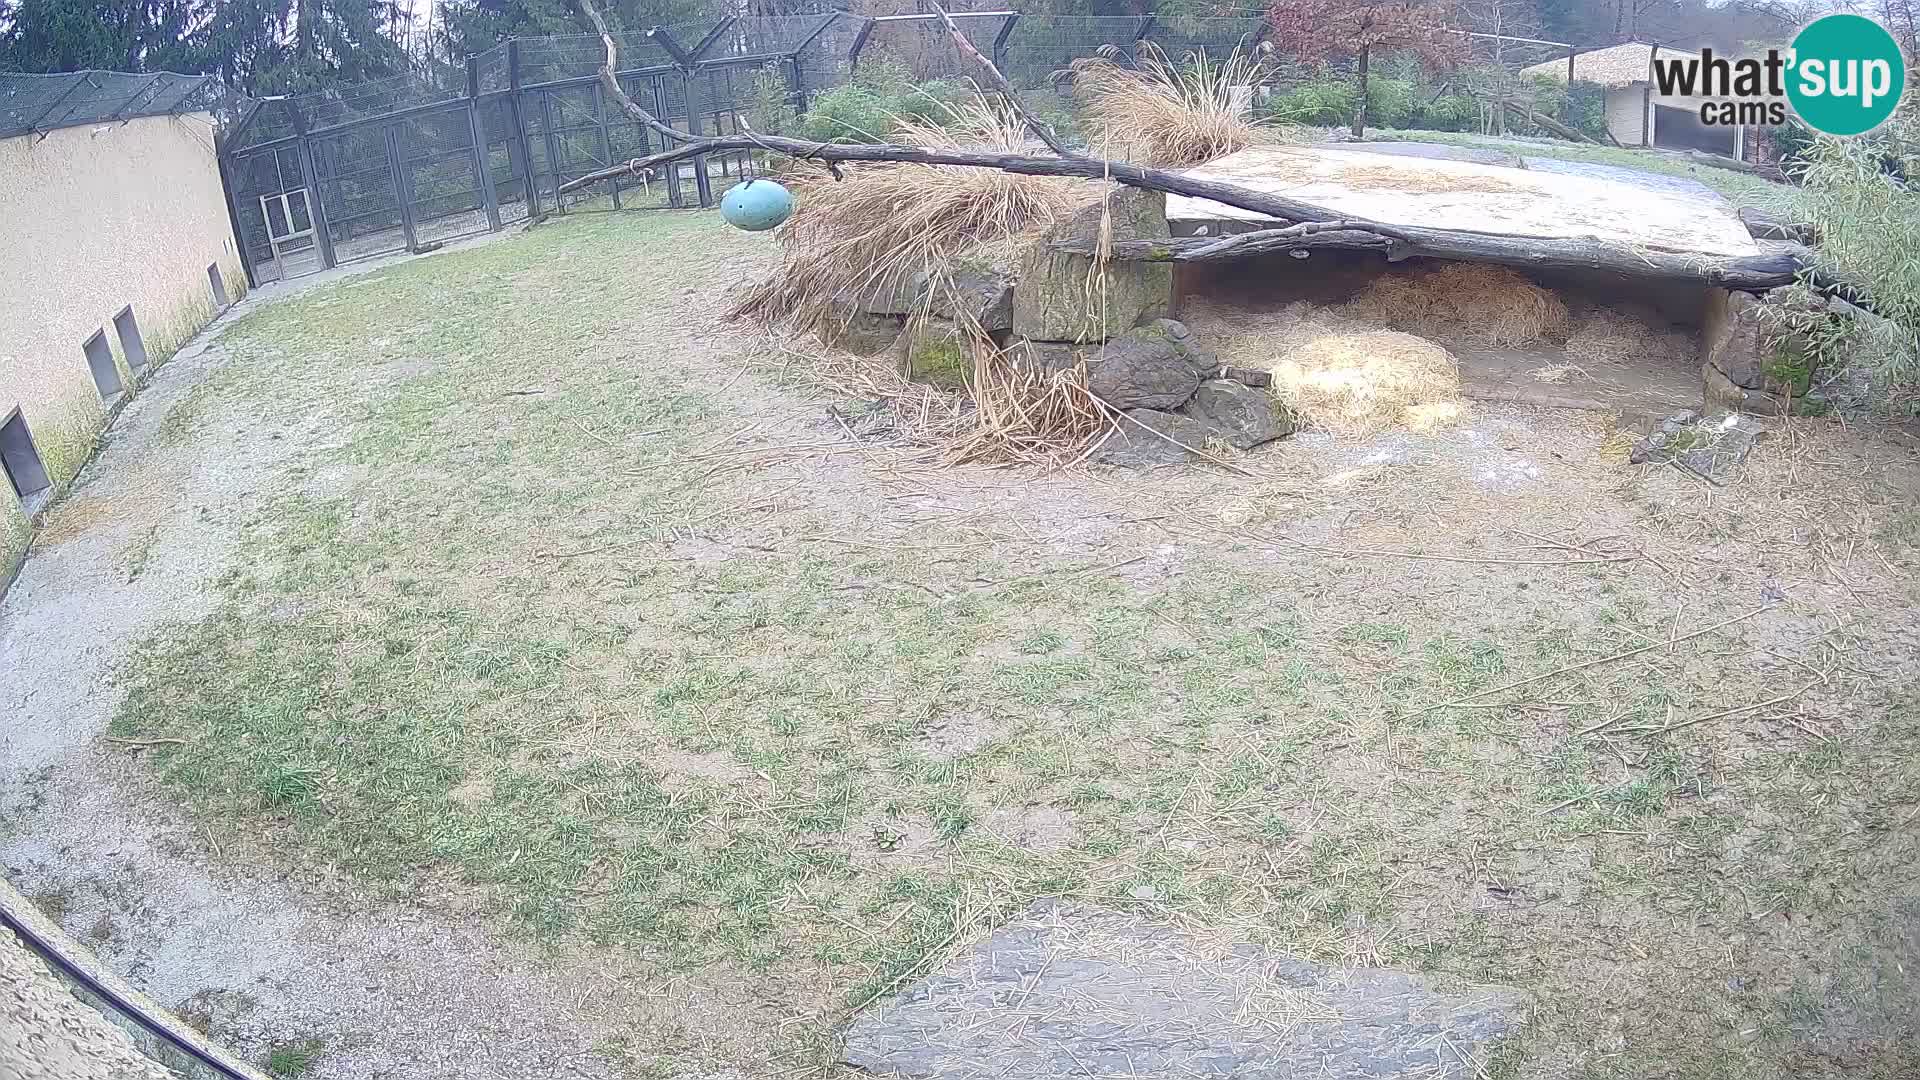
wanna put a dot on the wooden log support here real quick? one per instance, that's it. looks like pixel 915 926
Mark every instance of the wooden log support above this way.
pixel 1752 274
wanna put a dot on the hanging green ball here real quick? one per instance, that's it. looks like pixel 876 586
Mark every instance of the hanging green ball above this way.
pixel 756 205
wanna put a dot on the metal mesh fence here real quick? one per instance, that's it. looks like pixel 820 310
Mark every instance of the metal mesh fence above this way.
pixel 399 163
pixel 31 104
pixel 1041 46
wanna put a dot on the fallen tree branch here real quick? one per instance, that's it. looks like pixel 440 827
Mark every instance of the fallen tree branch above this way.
pixel 1753 273
pixel 1545 121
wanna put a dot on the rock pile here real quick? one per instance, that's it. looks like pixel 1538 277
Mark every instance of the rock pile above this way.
pixel 1176 396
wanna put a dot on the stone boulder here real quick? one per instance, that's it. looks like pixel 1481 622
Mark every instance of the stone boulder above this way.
pixel 971 293
pixel 1241 416
pixel 1749 365
pixel 937 351
pixel 1053 300
pixel 1043 357
pixel 863 332
pixel 1131 445
pixel 1156 366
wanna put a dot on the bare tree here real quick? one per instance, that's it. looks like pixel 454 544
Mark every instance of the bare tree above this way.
pixel 1319 29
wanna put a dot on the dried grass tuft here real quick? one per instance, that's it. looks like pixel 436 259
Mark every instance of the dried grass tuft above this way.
pixel 1169 113
pixel 1007 413
pixel 883 224
pixel 1047 419
pixel 1361 383
pixel 1488 305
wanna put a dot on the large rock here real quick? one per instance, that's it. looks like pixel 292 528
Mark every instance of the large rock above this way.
pixel 893 296
pixel 1149 367
pixel 984 297
pixel 1242 416
pixel 937 351
pixel 1151 437
pixel 1074 990
pixel 1750 365
pixel 1054 299
pixel 1044 357
pixel 863 332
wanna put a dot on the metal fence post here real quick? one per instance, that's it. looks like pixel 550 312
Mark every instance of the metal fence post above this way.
pixel 1000 41
pixel 702 184
pixel 799 95
pixel 553 150
pixel 674 197
pixel 520 129
pixel 1147 23
pixel 403 191
pixel 859 42
pixel 606 141
pixel 310 177
pixel 482 173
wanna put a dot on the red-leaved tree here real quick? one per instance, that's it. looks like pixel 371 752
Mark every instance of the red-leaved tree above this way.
pixel 1329 29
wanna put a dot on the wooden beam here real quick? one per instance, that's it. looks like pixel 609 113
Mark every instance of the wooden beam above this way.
pixel 1751 273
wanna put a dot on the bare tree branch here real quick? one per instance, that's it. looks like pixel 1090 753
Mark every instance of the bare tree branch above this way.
pixel 611 81
pixel 1000 83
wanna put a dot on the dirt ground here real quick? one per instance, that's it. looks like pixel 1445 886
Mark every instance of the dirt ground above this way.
pixel 482 666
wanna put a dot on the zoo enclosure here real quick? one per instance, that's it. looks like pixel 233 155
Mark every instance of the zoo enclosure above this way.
pixel 406 163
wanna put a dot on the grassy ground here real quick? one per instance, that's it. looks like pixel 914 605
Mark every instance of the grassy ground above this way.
pixel 1742 189
pixel 564 616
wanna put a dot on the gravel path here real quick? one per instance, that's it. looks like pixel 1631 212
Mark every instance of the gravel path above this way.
pixel 47 1034
pixel 260 962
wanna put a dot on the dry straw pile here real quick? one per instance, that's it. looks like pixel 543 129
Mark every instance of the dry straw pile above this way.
pixel 1484 305
pixel 1169 113
pixel 1339 373
pixel 883 224
pixel 1361 383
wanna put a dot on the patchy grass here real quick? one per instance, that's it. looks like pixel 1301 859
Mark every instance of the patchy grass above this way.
pixel 565 620
pixel 292 1060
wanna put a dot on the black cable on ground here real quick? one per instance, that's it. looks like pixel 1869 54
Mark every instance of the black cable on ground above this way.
pixel 46 951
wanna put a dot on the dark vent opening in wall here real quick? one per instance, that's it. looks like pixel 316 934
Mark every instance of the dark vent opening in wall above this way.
pixel 106 374
pixel 131 347
pixel 21 461
pixel 219 286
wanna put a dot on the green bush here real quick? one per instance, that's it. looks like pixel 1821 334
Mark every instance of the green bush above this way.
pixel 1324 101
pixel 769 105
pixel 1393 103
pixel 1855 193
pixel 870 105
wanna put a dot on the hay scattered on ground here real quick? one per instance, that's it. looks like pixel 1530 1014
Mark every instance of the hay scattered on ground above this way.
pixel 1487 305
pixel 1608 336
pixel 1558 373
pixel 1338 373
pixel 883 224
pixel 1428 181
pixel 1358 384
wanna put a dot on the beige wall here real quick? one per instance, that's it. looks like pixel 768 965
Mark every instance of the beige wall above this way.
pixel 1627 113
pixel 92 219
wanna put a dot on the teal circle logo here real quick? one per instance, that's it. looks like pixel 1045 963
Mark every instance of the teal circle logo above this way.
pixel 1846 74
